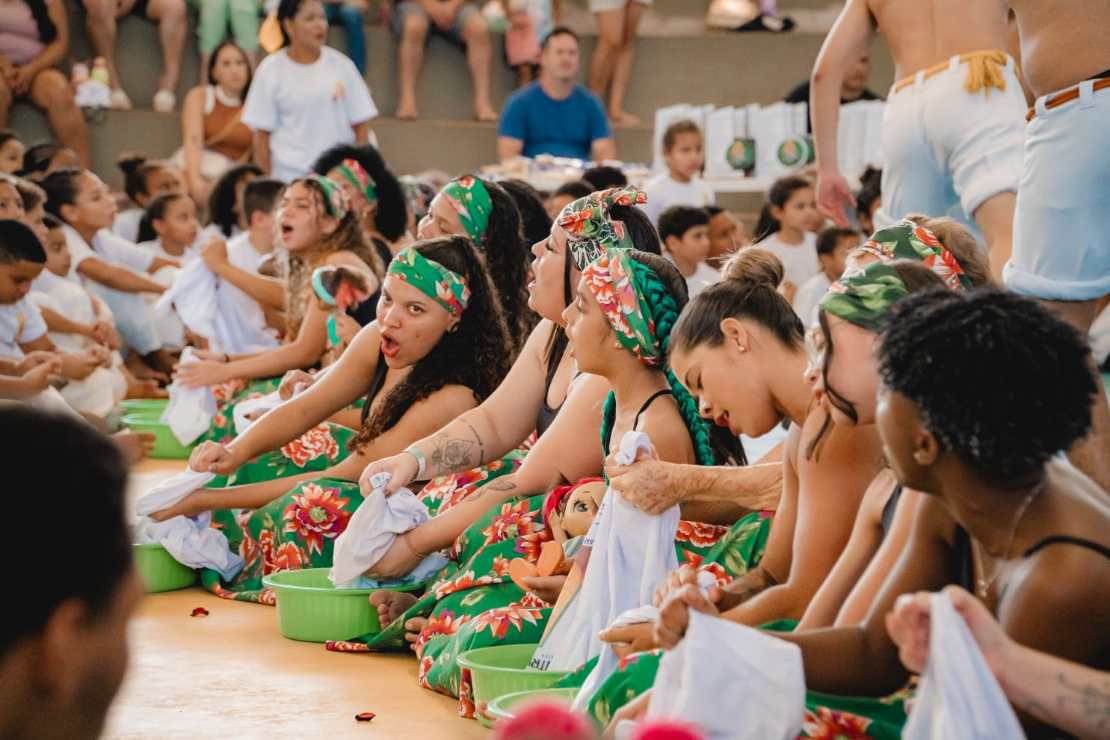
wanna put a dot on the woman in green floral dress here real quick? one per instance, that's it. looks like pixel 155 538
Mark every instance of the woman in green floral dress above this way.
pixel 435 351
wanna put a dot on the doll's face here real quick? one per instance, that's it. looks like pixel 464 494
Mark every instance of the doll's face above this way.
pixel 581 508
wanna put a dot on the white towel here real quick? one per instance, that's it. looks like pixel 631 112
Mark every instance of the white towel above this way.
pixel 265 404
pixel 959 698
pixel 191 542
pixel 631 555
pixel 371 532
pixel 171 491
pixel 190 410
pixel 761 676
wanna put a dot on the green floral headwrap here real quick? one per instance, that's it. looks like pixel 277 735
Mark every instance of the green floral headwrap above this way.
pixel 864 298
pixel 446 287
pixel 335 200
pixel 470 199
pixel 907 240
pixel 590 231
pixel 612 280
pixel 353 172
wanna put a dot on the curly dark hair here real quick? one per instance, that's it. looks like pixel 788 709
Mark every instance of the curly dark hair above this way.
pixel 347 237
pixel 221 201
pixel 994 347
pixel 391 218
pixel 472 355
pixel 666 294
pixel 508 259
pixel 533 213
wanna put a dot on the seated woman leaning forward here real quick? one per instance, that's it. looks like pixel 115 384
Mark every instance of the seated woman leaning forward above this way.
pixel 1003 514
pixel 435 351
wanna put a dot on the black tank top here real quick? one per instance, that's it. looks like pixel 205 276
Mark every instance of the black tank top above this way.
pixel 546 416
pixel 965 560
pixel 889 507
pixel 376 384
pixel 636 422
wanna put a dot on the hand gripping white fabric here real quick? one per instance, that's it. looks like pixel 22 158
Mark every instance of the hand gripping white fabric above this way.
pixel 172 490
pixel 371 532
pixel 631 555
pixel 243 409
pixel 190 410
pixel 761 676
pixel 959 698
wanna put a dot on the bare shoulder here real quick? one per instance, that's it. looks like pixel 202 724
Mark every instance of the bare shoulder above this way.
pixel 452 398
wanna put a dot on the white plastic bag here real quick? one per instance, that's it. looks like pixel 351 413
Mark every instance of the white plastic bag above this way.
pixel 959 698
pixel 736 682
pixel 631 555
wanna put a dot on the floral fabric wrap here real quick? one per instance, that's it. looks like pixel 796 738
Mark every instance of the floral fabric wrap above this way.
pixel 447 288
pixel 335 200
pixel 354 173
pixel 907 240
pixel 865 298
pixel 612 280
pixel 590 231
pixel 470 199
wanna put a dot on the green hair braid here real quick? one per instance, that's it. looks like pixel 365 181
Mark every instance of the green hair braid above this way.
pixel 664 314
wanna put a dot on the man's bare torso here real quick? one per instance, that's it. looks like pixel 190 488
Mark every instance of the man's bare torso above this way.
pixel 1063 42
pixel 922 33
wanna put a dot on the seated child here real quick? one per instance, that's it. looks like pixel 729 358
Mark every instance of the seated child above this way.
pixel 11 152
pixel 566 194
pixel 726 235
pixel 833 245
pixel 169 227
pixel 787 227
pixel 869 199
pixel 679 185
pixel 34 206
pixel 684 231
pixel 143 178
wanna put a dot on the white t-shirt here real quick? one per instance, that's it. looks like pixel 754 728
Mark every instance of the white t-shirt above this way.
pixel 127 224
pixel 808 296
pixel 663 191
pixel 703 277
pixel 799 260
pixel 155 246
pixel 20 322
pixel 70 300
pixel 107 246
pixel 307 108
pixel 242 254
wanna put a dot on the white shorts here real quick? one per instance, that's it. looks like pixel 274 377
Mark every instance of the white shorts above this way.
pixel 947 151
pixel 1061 238
pixel 601 6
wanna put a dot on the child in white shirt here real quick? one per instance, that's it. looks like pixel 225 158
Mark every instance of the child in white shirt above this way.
pixel 787 227
pixel 833 245
pixel 684 231
pixel 679 185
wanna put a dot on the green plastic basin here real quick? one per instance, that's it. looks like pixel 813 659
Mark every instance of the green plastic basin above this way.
pixel 159 571
pixel 311 609
pixel 505 707
pixel 503 669
pixel 135 405
pixel 166 446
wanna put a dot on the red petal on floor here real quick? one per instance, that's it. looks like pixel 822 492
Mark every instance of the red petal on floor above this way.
pixel 200 611
pixel 365 717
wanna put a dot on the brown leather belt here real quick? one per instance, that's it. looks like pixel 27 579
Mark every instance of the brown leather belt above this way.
pixel 1072 93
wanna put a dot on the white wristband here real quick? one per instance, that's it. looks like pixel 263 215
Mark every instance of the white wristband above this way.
pixel 421 463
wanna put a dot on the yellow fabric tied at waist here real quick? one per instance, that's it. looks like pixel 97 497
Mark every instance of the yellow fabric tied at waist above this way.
pixel 985 69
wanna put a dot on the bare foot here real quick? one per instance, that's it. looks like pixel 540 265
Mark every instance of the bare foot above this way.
pixel 406 111
pixel 485 113
pixel 624 117
pixel 135 446
pixel 413 627
pixel 143 371
pixel 145 389
pixel 393 604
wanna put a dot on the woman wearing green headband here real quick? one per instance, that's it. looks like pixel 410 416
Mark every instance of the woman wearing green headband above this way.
pixel 435 351
pixel 485 213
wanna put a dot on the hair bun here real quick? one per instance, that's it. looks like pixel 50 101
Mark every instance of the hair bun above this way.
pixel 755 266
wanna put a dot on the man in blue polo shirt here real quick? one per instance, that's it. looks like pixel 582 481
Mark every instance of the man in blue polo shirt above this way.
pixel 555 115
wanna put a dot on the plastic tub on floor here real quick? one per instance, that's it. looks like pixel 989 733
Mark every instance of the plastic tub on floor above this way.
pixel 505 707
pixel 166 446
pixel 503 669
pixel 311 609
pixel 139 405
pixel 159 571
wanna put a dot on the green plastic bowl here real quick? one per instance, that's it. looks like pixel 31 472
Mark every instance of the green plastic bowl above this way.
pixel 166 446
pixel 505 707
pixel 135 405
pixel 311 609
pixel 503 669
pixel 159 571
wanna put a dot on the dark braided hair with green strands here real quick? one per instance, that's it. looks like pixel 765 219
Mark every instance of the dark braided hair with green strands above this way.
pixel 665 294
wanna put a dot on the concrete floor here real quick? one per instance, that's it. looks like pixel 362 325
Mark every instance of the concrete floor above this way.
pixel 232 675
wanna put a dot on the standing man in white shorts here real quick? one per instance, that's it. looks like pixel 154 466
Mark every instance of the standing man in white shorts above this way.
pixel 1061 235
pixel 954 121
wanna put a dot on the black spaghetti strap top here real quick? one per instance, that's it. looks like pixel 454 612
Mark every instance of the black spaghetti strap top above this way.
pixel 889 507
pixel 546 416
pixel 376 384
pixel 636 422
pixel 965 562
